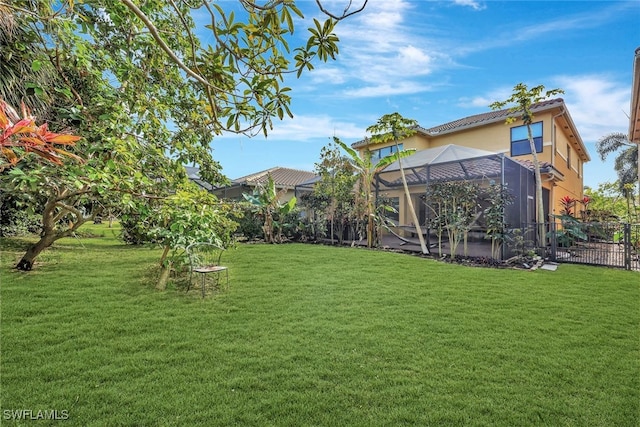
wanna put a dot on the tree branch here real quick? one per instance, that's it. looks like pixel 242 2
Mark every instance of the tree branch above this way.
pixel 345 13
pixel 155 34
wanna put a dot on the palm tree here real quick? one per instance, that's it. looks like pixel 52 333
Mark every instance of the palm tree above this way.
pixel 626 163
pixel 366 171
pixel 524 98
pixel 391 127
pixel 265 201
pixel 25 73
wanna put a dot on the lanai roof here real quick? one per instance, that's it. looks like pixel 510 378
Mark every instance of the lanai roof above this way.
pixel 445 163
pixel 444 154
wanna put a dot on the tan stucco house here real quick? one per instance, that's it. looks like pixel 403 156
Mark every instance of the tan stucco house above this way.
pixel 560 150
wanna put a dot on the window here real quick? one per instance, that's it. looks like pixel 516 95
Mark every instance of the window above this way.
pixel 381 153
pixel 568 157
pixel 520 140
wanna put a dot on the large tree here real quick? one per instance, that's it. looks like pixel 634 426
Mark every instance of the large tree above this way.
pixel 521 101
pixel 147 95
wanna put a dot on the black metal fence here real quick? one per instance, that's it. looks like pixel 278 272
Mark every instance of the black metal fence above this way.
pixel 610 244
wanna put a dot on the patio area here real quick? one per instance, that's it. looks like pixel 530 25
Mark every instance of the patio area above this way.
pixel 476 247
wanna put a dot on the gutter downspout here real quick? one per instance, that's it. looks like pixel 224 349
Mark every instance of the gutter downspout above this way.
pixel 553 136
pixel 552 191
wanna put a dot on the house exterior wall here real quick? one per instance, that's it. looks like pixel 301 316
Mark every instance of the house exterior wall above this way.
pixel 568 162
pixel 561 149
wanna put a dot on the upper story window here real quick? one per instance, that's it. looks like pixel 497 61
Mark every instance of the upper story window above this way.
pixel 381 153
pixel 520 139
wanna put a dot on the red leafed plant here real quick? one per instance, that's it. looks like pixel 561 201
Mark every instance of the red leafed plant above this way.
pixel 21 135
pixel 567 205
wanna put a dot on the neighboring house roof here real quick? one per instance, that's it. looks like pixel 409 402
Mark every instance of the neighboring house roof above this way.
pixel 282 178
pixel 494 117
pixel 194 175
pixel 634 120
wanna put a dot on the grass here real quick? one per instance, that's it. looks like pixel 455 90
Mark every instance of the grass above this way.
pixel 311 335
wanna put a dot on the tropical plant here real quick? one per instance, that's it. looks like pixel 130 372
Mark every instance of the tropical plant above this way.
pixel 25 71
pixel 499 197
pixel 314 223
pixel 626 162
pixel 366 171
pixel 455 206
pixel 524 98
pixel 191 215
pixel 336 184
pixel 391 127
pixel 21 135
pixel 571 229
pixel 435 200
pixel 568 203
pixel 267 203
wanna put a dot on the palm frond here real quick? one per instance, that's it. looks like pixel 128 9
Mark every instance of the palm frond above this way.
pixel 612 143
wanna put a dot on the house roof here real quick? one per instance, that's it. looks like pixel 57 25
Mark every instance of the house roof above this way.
pixel 282 177
pixel 194 175
pixel 498 116
pixel 490 117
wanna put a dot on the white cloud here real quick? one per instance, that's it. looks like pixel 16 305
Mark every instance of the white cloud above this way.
pixel 327 74
pixel 598 104
pixel 515 33
pixel 387 89
pixel 304 128
pixel 476 5
pixel 378 48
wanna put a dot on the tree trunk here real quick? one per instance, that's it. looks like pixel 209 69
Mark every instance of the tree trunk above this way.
pixel 26 263
pixel 370 225
pixel 412 210
pixel 57 207
pixel 165 271
pixel 539 206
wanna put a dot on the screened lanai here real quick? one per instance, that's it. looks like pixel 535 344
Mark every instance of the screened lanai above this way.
pixel 455 163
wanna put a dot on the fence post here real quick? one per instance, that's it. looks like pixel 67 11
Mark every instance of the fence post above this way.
pixel 553 241
pixel 627 246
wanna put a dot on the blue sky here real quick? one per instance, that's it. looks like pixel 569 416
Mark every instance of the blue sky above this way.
pixel 438 61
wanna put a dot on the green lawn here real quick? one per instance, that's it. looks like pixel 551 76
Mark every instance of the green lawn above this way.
pixel 311 335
